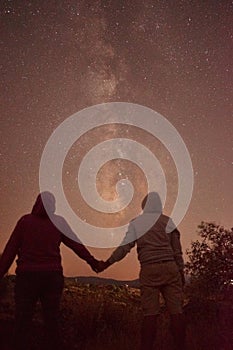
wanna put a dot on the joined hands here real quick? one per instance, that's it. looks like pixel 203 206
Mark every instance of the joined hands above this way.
pixel 99 265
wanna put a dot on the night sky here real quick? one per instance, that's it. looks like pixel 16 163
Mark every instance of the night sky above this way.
pixel 175 57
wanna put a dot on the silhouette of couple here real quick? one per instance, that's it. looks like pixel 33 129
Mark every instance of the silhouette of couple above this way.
pixel 39 275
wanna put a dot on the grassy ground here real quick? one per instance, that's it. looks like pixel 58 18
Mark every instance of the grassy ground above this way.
pixel 109 317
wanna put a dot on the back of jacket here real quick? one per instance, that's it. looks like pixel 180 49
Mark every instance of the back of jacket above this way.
pixel 39 244
pixel 156 244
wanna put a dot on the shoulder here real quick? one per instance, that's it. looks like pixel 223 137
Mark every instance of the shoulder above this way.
pixel 25 218
pixel 63 227
pixel 58 218
pixel 170 225
pixel 59 221
pixel 21 225
pixel 133 221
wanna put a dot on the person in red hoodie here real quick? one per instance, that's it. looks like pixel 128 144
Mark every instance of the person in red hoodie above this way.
pixel 39 274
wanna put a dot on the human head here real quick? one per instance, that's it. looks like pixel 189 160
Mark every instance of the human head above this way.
pixel 152 203
pixel 44 204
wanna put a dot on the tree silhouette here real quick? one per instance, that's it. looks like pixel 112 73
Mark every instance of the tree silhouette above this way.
pixel 210 264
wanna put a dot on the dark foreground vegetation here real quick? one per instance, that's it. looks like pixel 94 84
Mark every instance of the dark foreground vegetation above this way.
pixel 108 318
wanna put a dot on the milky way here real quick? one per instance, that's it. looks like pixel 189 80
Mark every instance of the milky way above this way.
pixel 174 57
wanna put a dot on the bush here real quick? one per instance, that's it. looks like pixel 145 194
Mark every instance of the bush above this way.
pixel 210 264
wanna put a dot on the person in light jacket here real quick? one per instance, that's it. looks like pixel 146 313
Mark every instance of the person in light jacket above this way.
pixel 160 256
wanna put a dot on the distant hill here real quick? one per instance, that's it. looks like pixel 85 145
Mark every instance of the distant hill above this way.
pixel 103 281
pixel 109 281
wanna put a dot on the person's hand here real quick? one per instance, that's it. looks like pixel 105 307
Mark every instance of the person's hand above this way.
pixel 103 265
pixel 95 265
pixel 99 265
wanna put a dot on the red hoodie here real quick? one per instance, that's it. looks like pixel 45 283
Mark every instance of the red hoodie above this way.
pixel 36 241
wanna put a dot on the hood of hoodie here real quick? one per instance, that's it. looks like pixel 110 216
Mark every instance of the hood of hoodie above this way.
pixel 152 203
pixel 45 203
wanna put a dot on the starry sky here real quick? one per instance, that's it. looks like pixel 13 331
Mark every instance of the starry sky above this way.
pixel 58 57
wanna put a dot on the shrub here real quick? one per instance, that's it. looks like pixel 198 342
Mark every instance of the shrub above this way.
pixel 210 264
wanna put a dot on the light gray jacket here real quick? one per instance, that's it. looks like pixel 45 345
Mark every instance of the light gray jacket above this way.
pixel 148 232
